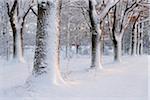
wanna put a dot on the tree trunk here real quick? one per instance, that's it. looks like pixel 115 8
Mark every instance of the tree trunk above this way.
pixel 95 61
pixel 77 48
pixel 21 36
pixel 117 49
pixel 18 44
pixel 138 39
pixel 13 26
pixel 141 39
pixel 15 20
pixel 17 49
pixel 96 33
pixel 134 40
pixel 102 41
pixel 46 59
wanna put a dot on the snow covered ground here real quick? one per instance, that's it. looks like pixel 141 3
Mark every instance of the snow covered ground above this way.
pixel 127 80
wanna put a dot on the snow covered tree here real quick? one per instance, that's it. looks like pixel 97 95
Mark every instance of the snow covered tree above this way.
pixel 120 17
pixel 97 13
pixel 46 59
pixel 11 13
pixel 17 12
pixel 134 35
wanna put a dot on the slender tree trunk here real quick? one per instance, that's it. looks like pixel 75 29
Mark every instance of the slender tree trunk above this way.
pixel 15 20
pixel 138 40
pixel 22 29
pixel 13 26
pixel 134 40
pixel 77 49
pixel 21 36
pixel 102 41
pixel 141 39
pixel 140 45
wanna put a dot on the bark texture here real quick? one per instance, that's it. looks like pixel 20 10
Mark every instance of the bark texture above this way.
pixel 48 40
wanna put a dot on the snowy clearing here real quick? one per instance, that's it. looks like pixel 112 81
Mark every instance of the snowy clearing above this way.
pixel 74 49
pixel 117 81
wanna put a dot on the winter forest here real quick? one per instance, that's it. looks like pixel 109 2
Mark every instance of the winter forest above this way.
pixel 74 49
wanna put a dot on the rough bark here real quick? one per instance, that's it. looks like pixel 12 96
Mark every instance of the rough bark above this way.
pixel 40 62
pixel 11 13
pixel 118 49
pixel 47 40
pixel 116 38
pixel 96 20
pixel 95 37
pixel 121 17
pixel 17 21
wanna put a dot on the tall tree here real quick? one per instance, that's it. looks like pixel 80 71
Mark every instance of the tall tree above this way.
pixel 120 18
pixel 46 60
pixel 11 14
pixel 134 35
pixel 17 12
pixel 97 13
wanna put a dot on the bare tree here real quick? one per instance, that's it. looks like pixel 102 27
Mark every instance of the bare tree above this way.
pixel 17 14
pixel 97 13
pixel 134 35
pixel 120 17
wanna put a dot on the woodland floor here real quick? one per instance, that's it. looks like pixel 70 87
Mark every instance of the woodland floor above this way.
pixel 127 80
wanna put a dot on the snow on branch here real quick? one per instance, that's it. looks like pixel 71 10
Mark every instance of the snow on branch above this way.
pixel 109 5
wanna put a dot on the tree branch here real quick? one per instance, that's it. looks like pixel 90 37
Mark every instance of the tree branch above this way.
pixel 109 5
pixel 33 11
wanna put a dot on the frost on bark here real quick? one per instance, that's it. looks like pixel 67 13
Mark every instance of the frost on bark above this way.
pixel 46 59
pixel 14 19
pixel 117 49
pixel 97 13
pixel 95 30
pixel 11 13
pixel 121 15
pixel 17 15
